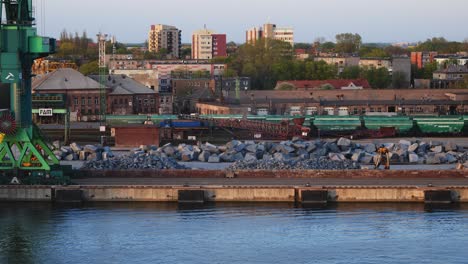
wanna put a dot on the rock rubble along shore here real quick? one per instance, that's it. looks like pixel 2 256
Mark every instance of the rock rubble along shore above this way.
pixel 342 149
pixel 341 153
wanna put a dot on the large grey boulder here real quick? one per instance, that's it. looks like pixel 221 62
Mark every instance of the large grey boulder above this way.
pixel 284 149
pixel 90 148
pixel 357 156
pixel 232 144
pixel 250 157
pixel 311 147
pixel 370 148
pixel 210 148
pixel 413 147
pixel 332 147
pixel 344 142
pixel 75 147
pixel 204 156
pixel 279 156
pixel 225 157
pixel 238 156
pixel 299 145
pixel 442 157
pixel 450 146
pixel 336 156
pixel 214 159
pixel 69 157
pixel 186 155
pixel 404 142
pixel 366 158
pixel 437 149
pixel 251 148
pixel 239 147
pixel 451 158
pixel 431 158
pixel 169 150
pixel 413 158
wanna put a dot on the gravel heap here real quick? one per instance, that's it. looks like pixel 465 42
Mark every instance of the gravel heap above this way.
pixel 321 163
pixel 139 160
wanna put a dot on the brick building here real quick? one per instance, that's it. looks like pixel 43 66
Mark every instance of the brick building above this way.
pixel 83 94
pixel 421 59
pixel 165 37
pixel 355 102
pixel 187 92
pixel 129 97
pixel 206 44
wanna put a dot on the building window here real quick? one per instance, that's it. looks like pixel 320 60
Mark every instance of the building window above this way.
pixel 121 101
pixel 89 101
pixel 75 100
pixel 96 100
pixel 83 101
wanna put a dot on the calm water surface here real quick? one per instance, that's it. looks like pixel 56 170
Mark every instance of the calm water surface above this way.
pixel 232 233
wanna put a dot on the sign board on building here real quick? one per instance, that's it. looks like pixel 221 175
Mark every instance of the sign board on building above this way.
pixel 46 112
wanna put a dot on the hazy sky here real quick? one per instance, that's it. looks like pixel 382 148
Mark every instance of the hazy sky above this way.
pixel 374 20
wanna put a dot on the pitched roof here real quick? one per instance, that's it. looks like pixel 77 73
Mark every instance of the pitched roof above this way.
pixel 124 85
pixel 337 84
pixel 64 79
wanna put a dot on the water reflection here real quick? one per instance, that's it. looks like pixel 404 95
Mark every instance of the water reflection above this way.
pixel 232 232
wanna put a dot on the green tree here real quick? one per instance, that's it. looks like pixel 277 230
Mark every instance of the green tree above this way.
pixel 328 46
pixel 90 68
pixel 348 43
pixel 351 72
pixel 260 61
pixel 426 72
pixel 377 78
pixel 375 53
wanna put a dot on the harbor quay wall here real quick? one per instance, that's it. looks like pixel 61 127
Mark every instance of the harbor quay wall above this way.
pixel 228 193
pixel 341 174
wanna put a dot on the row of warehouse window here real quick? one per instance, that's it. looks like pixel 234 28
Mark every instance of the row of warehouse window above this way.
pixel 89 101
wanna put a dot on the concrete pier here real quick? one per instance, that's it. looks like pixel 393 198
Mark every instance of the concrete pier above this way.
pixel 253 186
pixel 231 193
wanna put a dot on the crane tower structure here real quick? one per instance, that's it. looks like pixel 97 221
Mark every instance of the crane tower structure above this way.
pixel 22 147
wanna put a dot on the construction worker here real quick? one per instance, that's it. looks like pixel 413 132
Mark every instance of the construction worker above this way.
pixel 2 136
pixel 383 156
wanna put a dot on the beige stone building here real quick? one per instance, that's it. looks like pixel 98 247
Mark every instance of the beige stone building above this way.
pixel 165 37
pixel 270 31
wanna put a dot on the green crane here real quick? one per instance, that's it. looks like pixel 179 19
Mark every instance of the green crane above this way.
pixel 22 146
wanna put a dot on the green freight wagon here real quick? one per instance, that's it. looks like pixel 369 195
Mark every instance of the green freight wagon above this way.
pixel 136 119
pixel 440 125
pixel 337 123
pixel 402 124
